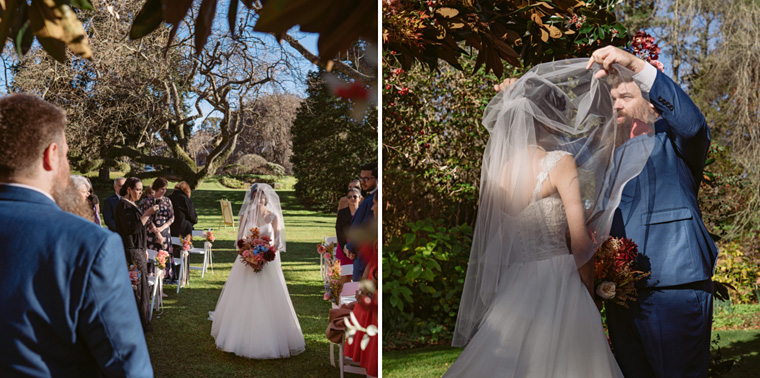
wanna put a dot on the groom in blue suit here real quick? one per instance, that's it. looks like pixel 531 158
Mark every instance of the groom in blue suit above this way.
pixel 68 309
pixel 666 332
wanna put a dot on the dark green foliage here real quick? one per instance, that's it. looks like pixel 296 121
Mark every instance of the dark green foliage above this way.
pixel 329 146
pixel 433 144
pixel 423 276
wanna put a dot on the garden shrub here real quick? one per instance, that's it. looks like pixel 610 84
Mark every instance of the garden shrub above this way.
pixel 275 169
pixel 738 266
pixel 253 162
pixel 423 276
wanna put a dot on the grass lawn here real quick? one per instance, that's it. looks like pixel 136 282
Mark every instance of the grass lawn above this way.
pixel 181 345
pixel 740 346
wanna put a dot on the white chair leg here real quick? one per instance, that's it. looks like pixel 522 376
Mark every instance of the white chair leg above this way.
pixel 205 262
pixel 181 274
pixel 340 358
pixel 153 298
pixel 332 353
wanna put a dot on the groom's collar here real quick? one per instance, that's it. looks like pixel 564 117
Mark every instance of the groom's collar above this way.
pixel 30 188
pixel 21 192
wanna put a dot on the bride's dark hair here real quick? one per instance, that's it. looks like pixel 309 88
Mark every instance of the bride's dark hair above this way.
pixel 255 190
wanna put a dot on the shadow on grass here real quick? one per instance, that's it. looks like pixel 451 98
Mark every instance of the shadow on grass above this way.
pixel 742 347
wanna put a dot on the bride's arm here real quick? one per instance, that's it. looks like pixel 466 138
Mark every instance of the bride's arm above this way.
pixel 241 226
pixel 565 179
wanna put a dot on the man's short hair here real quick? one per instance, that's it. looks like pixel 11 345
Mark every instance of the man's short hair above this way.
pixel 28 125
pixel 370 167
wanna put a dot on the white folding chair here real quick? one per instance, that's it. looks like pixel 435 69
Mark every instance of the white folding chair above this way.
pixel 347 365
pixel 347 270
pixel 156 281
pixel 208 256
pixel 198 251
pixel 348 293
pixel 180 264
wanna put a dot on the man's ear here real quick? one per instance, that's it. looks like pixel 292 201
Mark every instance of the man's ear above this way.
pixel 50 157
pixel 651 106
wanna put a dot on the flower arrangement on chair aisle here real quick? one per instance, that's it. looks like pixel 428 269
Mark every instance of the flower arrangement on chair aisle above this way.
pixel 134 276
pixel 333 282
pixel 187 242
pixel 326 251
pixel 161 259
pixel 256 250
pixel 209 235
pixel 614 271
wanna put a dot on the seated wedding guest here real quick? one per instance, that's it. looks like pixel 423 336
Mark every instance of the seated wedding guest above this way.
pixel 130 224
pixel 366 310
pixel 62 313
pixel 343 203
pixel 84 187
pixel 345 216
pixel 109 205
pixel 184 217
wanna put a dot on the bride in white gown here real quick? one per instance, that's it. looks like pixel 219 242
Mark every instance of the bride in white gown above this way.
pixel 254 316
pixel 555 163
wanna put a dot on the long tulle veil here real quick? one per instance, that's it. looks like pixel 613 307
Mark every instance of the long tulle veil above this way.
pixel 261 203
pixel 556 106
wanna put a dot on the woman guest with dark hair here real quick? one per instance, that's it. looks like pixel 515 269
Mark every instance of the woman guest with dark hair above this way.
pixel 130 224
pixel 184 216
pixel 159 237
pixel 345 217
pixel 343 203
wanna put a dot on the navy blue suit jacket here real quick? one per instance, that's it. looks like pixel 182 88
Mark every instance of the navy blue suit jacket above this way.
pixel 658 209
pixel 68 308
pixel 109 209
pixel 363 213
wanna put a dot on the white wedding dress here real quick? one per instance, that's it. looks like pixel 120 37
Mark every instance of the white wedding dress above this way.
pixel 542 322
pixel 254 317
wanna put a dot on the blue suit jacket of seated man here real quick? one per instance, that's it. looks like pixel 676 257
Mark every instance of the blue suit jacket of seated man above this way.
pixel 68 308
pixel 658 209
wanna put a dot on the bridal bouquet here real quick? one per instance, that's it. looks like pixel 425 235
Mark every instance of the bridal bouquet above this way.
pixel 614 271
pixel 161 259
pixel 256 250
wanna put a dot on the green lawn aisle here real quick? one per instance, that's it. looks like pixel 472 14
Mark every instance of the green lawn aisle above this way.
pixel 743 346
pixel 180 343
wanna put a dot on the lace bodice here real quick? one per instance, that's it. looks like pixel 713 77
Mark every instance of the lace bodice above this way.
pixel 267 228
pixel 542 224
